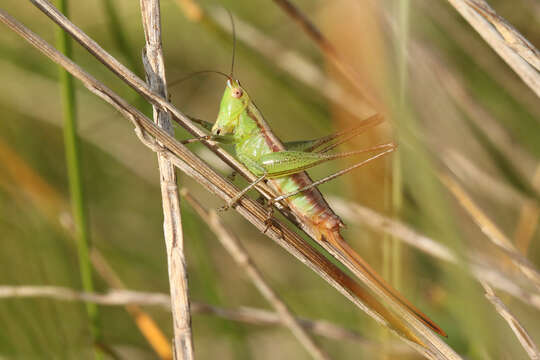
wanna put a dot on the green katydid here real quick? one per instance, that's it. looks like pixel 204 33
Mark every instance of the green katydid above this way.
pixel 282 166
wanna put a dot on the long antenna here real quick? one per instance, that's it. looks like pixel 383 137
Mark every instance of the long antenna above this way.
pixel 234 42
pixel 178 81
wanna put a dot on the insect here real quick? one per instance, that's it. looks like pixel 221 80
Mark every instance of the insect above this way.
pixel 282 166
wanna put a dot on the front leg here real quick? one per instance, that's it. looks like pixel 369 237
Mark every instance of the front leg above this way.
pixel 227 139
pixel 223 139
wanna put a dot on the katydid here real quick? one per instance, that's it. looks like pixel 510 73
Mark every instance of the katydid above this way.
pixel 282 166
pixel 241 124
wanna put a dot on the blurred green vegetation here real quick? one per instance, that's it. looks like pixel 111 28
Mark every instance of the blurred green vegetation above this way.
pixel 123 196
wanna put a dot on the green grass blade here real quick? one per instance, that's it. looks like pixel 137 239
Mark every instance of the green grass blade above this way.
pixel 72 149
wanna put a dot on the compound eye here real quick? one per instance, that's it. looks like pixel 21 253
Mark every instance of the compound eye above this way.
pixel 237 93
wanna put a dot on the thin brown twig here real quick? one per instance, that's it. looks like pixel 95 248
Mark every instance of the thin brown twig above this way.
pixel 213 182
pixel 511 46
pixel 172 222
pixel 318 327
pixel 521 334
pixel 233 246
pixel 244 314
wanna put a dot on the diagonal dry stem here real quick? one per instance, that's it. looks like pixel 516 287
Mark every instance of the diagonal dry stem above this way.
pixel 528 219
pixel 521 334
pixel 172 222
pixel 511 46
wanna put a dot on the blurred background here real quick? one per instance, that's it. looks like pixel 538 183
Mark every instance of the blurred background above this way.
pixel 465 175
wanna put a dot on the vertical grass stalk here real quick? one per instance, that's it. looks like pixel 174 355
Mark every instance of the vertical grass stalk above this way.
pixel 71 145
pixel 397 181
pixel 391 251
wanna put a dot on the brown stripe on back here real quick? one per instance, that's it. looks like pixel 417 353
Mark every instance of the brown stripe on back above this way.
pixel 271 140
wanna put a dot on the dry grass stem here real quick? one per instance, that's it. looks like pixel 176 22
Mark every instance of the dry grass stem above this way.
pixel 233 246
pixel 172 222
pixel 248 315
pixel 511 46
pixel 521 334
pixel 213 182
pixel 113 297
